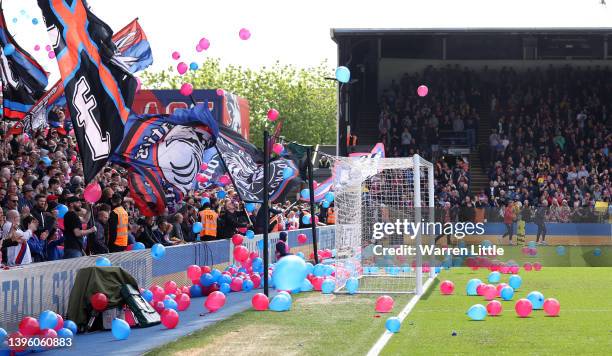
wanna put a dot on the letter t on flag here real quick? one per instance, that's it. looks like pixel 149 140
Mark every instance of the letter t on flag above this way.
pixel 99 88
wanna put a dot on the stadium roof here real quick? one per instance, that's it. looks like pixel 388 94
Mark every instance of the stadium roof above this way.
pixel 346 32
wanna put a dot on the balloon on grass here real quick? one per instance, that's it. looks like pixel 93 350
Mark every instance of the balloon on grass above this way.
pixel 328 286
pixel 507 293
pixel 289 273
pixel 447 287
pixel 523 307
pixel 306 286
pixel 120 329
pixel 260 302
pixel 494 277
pixel 472 285
pixel 477 312
pixel 537 300
pixel 494 308
pixel 515 281
pixel 384 304
pixel 537 266
pixel 281 302
pixel 393 324
pixel 352 284
pixel 552 307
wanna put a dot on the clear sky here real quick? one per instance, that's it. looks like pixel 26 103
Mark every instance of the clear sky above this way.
pixel 296 32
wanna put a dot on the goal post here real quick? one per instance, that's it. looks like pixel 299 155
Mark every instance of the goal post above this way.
pixel 372 193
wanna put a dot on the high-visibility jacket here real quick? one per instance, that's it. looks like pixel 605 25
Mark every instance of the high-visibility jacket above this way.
pixel 331 216
pixel 122 226
pixel 208 218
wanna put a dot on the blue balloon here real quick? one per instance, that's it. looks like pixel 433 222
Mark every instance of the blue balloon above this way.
pixel 170 304
pixel 65 333
pixel 250 207
pixel 193 66
pixel 47 320
pixel 260 245
pixel 289 273
pixel 301 255
pixel 306 219
pixel 486 243
pixel 197 227
pixel 305 193
pixel 328 286
pixel 507 293
pixel 309 268
pixel 71 325
pixel 247 285
pixel 393 324
pixel 494 277
pixel 515 281
pixel 281 302
pixel 225 288
pixel 325 204
pixel 158 251
pixel 221 194
pixel 597 252
pixel 8 50
pixel 257 264
pixel 61 210
pixel 147 295
pixel 352 284
pixel 35 21
pixel 14 20
pixel 437 269
pixel 319 270
pixel 561 250
pixel 46 160
pixel 472 285
pixel 330 197
pixel 195 291
pixel 287 173
pixel 224 278
pixel 306 286
pixel 207 279
pixel 249 234
pixel 3 335
pixel 343 74
pixel 536 299
pixel 120 329
pixel 216 274
pixel 103 262
pixel 204 200
pixel 139 246
pixel 477 312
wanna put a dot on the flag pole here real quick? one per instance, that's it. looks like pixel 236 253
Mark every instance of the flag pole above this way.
pixel 266 207
pixel 312 204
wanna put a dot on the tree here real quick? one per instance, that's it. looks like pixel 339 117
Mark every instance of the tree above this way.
pixel 305 100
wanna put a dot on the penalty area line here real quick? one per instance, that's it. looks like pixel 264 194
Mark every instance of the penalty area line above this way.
pixel 386 336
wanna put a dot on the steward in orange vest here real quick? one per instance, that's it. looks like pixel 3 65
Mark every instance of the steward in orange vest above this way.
pixel 118 225
pixel 208 218
pixel 331 216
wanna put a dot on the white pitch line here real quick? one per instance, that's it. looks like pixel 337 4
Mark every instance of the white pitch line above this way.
pixel 386 336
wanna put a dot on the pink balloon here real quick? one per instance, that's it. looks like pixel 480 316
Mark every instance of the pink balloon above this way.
pixel 37 47
pixel 204 43
pixel 514 269
pixel 170 287
pixel 214 301
pixel 170 318
pixel 48 335
pixel 181 68
pixel 272 114
pixel 183 301
pixel 159 294
pixel 203 166
pixel 384 304
pixel 494 308
pixel 447 287
pixel 60 323
pixel 129 317
pixel 47 48
pixel 51 54
pixel 537 266
pixel 158 306
pixel 224 180
pixel 302 238
pixel 500 287
pixel 256 279
pixel 220 92
pixel 422 90
pixel 523 307
pixel 527 266
pixel 552 307
pixel 237 239
pixel 260 302
pixel 194 272
pixel 176 55
pixel 241 253
pixel 277 148
pixel 201 178
pixel 244 34
pixel 186 89
pixel 490 292
pixel 236 284
pixel 92 192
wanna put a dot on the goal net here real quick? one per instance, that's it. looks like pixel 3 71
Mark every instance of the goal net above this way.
pixel 378 202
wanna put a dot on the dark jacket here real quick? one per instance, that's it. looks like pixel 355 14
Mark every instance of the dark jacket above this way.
pixel 97 242
pixel 228 223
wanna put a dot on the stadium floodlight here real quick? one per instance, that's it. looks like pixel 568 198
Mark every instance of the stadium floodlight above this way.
pixel 370 190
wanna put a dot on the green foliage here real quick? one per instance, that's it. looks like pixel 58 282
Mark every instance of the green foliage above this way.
pixel 305 100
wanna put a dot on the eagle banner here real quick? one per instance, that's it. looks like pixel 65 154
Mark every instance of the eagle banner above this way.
pixel 23 79
pixel 99 88
pixel 134 52
pixel 244 163
pixel 163 154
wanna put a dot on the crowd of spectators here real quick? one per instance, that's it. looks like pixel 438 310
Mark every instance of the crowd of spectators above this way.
pixel 41 176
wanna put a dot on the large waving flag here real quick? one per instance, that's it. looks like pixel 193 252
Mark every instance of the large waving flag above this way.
pixel 99 88
pixel 243 161
pixel 23 79
pixel 134 52
pixel 163 154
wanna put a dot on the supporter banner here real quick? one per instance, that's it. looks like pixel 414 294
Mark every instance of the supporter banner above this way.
pixel 134 51
pixel 163 153
pixel 23 79
pixel 377 151
pixel 99 88
pixel 242 160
